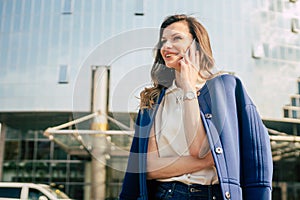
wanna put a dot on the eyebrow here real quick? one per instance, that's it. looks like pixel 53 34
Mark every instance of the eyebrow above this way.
pixel 174 34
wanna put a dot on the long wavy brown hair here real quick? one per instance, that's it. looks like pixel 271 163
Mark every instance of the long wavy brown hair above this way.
pixel 163 76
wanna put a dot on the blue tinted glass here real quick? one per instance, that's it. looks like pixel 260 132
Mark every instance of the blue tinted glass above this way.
pixel 78 6
pixel 97 7
pixel 57 6
pixel 293 102
pixel 65 42
pixel 87 23
pixel 18 7
pixel 44 48
pixel 87 6
pixel 37 7
pixel 24 45
pixel 1 7
pixel 66 22
pixel 6 24
pixel 17 23
pixel 4 49
pixel 286 112
pixel 46 23
pixel 294 112
pixel 27 8
pixel 76 23
pixel 139 7
pixel 10 192
pixel 35 23
pixel 13 51
pixel 67 7
pixel 8 7
pixel 63 74
pixel 33 47
pixel 25 23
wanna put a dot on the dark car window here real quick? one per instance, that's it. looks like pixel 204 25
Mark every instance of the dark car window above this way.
pixel 34 194
pixel 10 192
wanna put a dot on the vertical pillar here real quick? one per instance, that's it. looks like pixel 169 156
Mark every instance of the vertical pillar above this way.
pixel 283 187
pixel 87 181
pixel 98 177
pixel 2 145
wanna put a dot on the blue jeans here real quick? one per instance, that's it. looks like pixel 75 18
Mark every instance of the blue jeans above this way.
pixel 180 191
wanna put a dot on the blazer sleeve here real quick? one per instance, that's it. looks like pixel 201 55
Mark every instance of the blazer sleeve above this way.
pixel 131 183
pixel 256 155
pixel 131 187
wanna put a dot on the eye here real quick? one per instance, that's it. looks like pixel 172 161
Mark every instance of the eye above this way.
pixel 163 41
pixel 176 38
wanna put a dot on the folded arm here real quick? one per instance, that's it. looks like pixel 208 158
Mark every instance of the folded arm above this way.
pixel 166 167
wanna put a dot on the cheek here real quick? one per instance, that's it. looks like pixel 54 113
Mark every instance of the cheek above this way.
pixel 182 47
pixel 160 51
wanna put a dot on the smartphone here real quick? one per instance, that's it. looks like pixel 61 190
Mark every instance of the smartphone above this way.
pixel 188 51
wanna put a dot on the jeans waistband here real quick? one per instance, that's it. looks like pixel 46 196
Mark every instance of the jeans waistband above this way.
pixel 193 188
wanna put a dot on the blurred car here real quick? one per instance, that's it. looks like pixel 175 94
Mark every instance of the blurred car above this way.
pixel 30 191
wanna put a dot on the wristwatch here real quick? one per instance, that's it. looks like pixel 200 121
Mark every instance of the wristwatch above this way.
pixel 189 95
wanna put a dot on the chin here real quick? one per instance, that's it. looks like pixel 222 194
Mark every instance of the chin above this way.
pixel 170 66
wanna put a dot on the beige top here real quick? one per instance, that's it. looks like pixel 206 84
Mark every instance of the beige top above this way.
pixel 170 137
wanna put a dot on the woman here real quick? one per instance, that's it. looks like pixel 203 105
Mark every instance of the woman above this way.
pixel 198 134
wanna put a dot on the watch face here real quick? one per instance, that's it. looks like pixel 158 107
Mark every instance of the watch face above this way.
pixel 190 95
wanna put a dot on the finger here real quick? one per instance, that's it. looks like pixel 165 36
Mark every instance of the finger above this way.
pixel 192 61
pixel 183 63
pixel 184 67
pixel 197 60
pixel 193 51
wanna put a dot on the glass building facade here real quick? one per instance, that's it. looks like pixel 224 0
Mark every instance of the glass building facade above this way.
pixel 48 50
pixel 30 157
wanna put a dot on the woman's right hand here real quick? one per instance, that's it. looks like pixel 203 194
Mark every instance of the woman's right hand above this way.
pixel 189 69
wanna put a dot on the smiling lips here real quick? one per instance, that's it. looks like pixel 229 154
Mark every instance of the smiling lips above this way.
pixel 169 54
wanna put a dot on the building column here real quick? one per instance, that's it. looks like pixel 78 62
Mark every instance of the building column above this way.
pixel 87 181
pixel 2 148
pixel 99 148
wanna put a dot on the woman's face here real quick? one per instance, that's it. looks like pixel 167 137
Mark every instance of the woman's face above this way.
pixel 176 39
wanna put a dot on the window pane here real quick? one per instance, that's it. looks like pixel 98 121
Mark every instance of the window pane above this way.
pixel 63 74
pixel 11 150
pixel 43 152
pixel 59 154
pixel 27 150
pixel 34 194
pixel 10 192
pixel 67 7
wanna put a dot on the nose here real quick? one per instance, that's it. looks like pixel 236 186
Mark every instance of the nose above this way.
pixel 167 44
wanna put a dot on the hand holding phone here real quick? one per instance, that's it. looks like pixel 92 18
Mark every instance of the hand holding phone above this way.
pixel 192 55
pixel 190 66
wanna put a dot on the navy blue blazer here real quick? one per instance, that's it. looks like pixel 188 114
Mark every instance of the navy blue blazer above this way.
pixel 239 143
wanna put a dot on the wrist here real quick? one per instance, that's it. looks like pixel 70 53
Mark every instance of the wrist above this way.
pixel 189 95
pixel 187 88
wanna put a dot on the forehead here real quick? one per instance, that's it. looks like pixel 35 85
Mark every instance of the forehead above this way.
pixel 180 27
